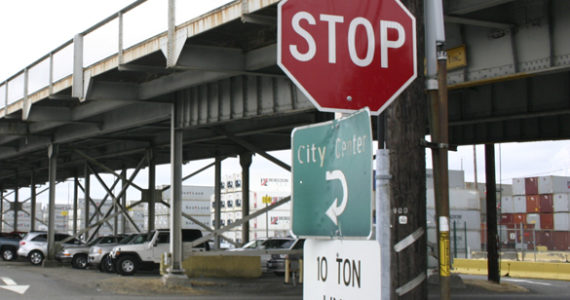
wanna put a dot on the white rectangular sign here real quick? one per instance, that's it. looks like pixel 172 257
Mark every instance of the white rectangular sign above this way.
pixel 341 269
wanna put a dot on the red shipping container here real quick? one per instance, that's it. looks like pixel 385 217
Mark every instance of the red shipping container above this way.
pixel 561 240
pixel 546 203
pixel 531 185
pixel 532 204
pixel 545 238
pixel 527 238
pixel 519 218
pixel 546 221
pixel 506 219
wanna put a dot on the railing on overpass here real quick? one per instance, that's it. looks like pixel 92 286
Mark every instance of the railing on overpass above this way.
pixel 72 57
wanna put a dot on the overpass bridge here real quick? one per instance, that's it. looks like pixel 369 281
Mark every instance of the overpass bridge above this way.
pixel 210 88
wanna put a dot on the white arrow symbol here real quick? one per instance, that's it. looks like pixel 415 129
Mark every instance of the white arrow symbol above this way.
pixel 334 211
pixel 11 285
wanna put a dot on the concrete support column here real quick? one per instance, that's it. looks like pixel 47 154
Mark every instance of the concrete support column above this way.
pixel 151 189
pixel 217 198
pixel 86 202
pixel 176 147
pixel 33 202
pixel 75 199
pixel 52 155
pixel 245 162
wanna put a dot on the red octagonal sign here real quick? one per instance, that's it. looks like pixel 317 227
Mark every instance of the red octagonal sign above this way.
pixel 346 55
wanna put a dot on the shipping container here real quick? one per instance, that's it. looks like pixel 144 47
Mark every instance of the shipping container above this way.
pixel 507 205
pixel 471 217
pixel 532 204
pixel 519 204
pixel 561 240
pixel 519 225
pixel 561 221
pixel 553 184
pixel 547 221
pixel 460 199
pixel 531 186
pixel 519 218
pixel 519 187
pixel 533 219
pixel 561 203
pixel 506 219
pixel 544 238
pixel 456 179
pixel 546 201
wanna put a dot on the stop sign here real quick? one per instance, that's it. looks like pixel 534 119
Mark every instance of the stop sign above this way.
pixel 346 55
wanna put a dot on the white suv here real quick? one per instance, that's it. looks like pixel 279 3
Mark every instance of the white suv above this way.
pixel 33 246
pixel 129 258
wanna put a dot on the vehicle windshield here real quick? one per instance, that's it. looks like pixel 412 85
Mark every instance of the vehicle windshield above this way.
pixel 287 244
pixel 127 239
pixel 251 245
pixel 95 241
pixel 277 243
pixel 139 239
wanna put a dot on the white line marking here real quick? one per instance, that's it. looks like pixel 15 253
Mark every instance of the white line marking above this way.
pixel 528 281
pixel 8 281
pixel 12 286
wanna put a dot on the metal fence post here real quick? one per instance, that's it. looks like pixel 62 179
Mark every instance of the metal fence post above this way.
pixel 465 231
pixel 454 239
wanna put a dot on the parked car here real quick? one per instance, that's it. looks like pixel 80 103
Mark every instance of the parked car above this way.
pixel 78 254
pixel 33 246
pixel 277 261
pixel 130 258
pixel 99 253
pixel 265 244
pixel 14 234
pixel 9 246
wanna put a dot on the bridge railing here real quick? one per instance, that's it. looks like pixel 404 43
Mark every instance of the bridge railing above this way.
pixel 128 27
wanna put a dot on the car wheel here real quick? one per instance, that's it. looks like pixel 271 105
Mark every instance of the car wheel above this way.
pixel 36 257
pixel 8 254
pixel 79 261
pixel 126 265
pixel 106 265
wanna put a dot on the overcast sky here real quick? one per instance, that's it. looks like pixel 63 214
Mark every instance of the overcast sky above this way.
pixel 32 28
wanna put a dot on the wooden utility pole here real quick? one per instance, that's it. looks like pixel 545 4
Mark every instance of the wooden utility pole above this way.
pixel 406 121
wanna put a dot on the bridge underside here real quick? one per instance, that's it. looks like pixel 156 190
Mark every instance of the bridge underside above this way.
pixel 232 98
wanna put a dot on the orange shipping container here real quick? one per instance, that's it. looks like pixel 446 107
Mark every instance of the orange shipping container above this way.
pixel 532 204
pixel 546 221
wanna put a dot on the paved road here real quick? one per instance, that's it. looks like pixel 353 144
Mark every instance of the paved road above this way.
pixel 63 282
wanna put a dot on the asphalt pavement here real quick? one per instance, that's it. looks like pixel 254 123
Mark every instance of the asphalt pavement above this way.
pixel 20 280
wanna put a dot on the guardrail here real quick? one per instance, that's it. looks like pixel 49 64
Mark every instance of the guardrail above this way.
pixel 71 58
pixel 43 73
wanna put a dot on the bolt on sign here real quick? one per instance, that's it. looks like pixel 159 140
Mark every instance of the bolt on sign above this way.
pixel 332 178
pixel 347 55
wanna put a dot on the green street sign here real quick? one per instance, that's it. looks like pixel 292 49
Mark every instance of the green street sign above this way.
pixel 332 178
